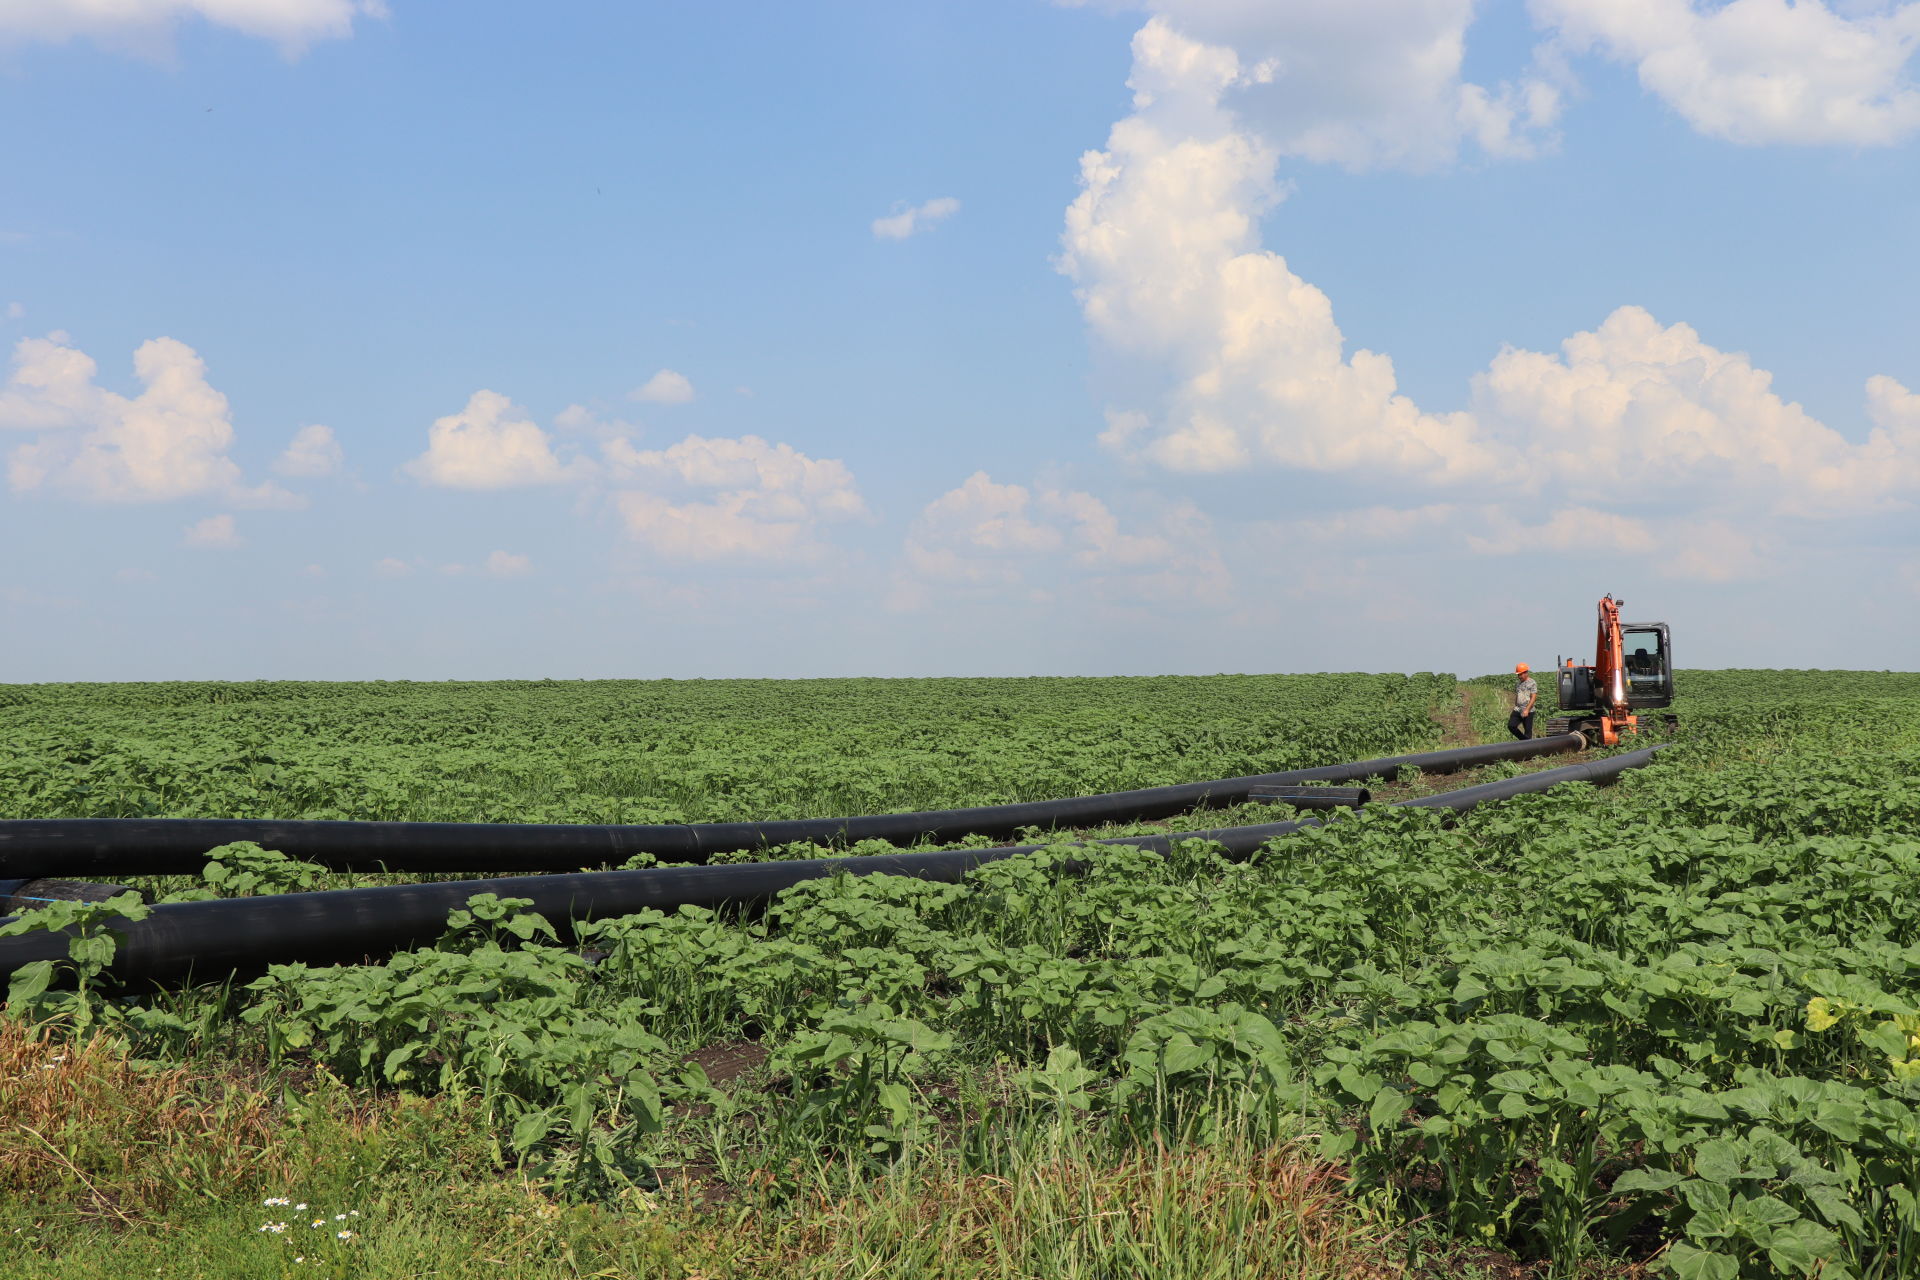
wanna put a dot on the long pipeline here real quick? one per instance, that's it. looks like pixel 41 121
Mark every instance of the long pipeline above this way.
pixel 90 848
pixel 211 940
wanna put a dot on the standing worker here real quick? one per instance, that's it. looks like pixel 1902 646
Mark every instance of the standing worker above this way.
pixel 1525 694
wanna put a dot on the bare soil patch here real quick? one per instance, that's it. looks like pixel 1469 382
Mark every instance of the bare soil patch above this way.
pixel 729 1061
pixel 1456 723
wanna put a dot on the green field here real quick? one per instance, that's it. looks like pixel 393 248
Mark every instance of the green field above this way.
pixel 1671 1024
pixel 670 750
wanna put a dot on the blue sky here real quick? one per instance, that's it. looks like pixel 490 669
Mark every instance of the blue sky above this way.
pixel 1068 417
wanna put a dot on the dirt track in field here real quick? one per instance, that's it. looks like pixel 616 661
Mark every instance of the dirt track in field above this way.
pixel 1456 723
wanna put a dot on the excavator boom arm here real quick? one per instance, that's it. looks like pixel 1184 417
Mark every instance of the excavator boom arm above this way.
pixel 1609 661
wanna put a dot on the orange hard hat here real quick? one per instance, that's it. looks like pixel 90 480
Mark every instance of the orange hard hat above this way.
pixel 1521 669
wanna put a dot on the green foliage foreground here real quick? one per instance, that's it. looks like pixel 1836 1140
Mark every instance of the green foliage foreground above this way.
pixel 1674 1021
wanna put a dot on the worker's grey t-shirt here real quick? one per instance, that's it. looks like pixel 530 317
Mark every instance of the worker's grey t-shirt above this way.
pixel 1524 693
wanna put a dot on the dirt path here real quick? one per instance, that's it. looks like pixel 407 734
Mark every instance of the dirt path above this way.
pixel 1456 723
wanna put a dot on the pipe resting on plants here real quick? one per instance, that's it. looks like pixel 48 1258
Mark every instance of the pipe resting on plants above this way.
pixel 211 940
pixel 94 847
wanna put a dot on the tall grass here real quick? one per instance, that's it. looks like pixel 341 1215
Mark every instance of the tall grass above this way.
pixel 111 1168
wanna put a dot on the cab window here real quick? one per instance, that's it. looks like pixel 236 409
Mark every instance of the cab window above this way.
pixel 1644 661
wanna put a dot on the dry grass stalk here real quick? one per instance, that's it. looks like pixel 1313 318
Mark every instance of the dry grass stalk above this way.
pixel 1198 1211
pixel 92 1133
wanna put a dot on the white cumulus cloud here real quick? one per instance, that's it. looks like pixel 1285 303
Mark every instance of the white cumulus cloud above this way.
pixel 213 533
pixel 1008 537
pixel 730 499
pixel 1569 529
pixel 1164 245
pixel 664 387
pixel 505 564
pixel 1715 551
pixel 1895 412
pixel 314 451
pixel 145 24
pixel 738 499
pixel 1674 413
pixel 905 220
pixel 1762 71
pixel 490 444
pixel 1363 84
pixel 170 441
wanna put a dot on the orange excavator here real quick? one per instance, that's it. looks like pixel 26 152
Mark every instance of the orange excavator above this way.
pixel 1606 696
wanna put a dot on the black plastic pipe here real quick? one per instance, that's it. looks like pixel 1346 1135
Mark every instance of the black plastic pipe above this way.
pixel 93 847
pixel 30 895
pixel 211 940
pixel 1314 797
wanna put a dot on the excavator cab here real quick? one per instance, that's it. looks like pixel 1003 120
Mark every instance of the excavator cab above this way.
pixel 1649 664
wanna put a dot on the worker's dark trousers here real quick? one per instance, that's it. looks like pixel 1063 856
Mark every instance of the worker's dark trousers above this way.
pixel 1520 726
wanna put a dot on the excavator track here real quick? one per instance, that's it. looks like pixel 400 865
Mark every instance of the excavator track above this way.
pixel 1589 726
pixel 1586 726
